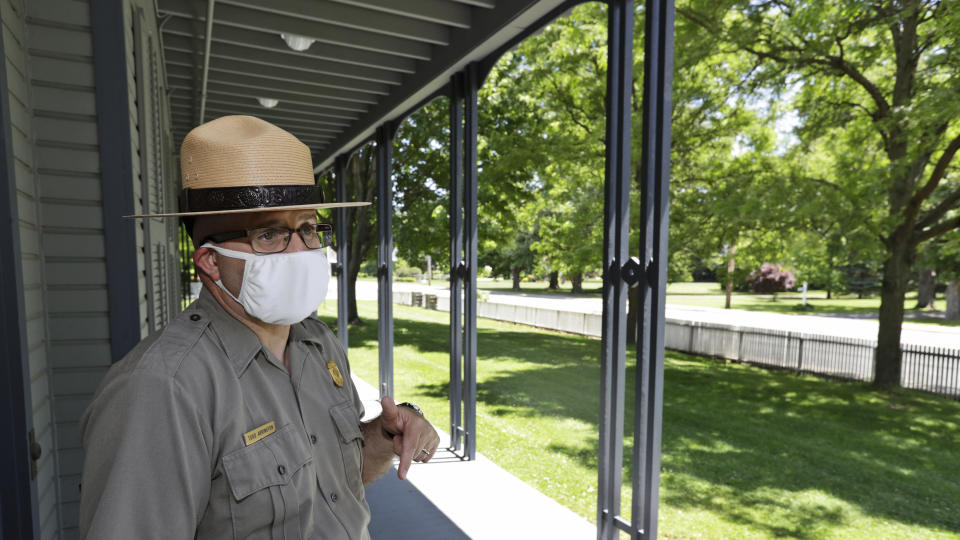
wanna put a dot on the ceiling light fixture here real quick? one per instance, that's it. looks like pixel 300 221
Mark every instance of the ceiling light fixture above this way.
pixel 297 42
pixel 268 103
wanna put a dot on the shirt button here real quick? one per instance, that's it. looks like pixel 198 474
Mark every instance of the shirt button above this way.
pixel 333 497
pixel 282 470
pixel 313 439
pixel 194 317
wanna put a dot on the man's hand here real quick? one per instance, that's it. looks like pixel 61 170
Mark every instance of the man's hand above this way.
pixel 414 439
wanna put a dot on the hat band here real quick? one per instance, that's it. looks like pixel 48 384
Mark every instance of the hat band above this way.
pixel 246 197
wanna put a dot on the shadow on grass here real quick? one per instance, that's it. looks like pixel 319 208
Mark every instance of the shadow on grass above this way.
pixel 747 444
pixel 752 446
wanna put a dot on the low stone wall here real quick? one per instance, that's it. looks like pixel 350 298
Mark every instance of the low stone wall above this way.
pixel 584 324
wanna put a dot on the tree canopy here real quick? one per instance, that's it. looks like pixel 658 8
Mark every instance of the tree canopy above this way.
pixel 876 82
pixel 817 135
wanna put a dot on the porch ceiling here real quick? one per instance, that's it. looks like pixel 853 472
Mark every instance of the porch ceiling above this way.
pixel 373 60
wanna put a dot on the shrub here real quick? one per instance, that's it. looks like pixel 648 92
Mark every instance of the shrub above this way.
pixel 402 270
pixel 771 278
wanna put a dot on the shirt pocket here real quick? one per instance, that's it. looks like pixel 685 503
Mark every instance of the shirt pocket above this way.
pixel 347 421
pixel 262 479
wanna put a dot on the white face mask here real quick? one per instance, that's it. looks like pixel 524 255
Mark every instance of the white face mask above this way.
pixel 280 288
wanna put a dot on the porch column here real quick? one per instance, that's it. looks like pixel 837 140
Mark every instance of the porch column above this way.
pixel 116 174
pixel 385 256
pixel 647 272
pixel 463 259
pixel 340 171
pixel 616 222
pixel 655 213
pixel 456 260
pixel 18 492
pixel 473 82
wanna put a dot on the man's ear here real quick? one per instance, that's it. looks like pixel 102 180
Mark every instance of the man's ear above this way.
pixel 205 260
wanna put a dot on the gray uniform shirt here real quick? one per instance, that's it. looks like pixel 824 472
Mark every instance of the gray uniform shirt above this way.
pixel 199 432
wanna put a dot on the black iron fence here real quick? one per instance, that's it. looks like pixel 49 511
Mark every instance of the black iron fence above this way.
pixel 930 369
pixel 933 369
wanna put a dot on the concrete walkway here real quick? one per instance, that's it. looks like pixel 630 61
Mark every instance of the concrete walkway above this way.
pixel 450 498
pixel 832 325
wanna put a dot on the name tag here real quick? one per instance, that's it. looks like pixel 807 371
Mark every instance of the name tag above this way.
pixel 256 434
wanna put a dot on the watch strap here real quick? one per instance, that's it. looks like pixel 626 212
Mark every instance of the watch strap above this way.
pixel 411 406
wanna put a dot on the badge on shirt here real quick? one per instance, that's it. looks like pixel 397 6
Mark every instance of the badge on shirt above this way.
pixel 335 373
pixel 258 433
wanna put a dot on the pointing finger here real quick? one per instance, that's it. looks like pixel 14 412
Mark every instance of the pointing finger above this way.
pixel 410 447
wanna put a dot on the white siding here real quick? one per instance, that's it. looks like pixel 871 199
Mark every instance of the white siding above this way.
pixel 54 134
pixel 67 163
pixel 18 71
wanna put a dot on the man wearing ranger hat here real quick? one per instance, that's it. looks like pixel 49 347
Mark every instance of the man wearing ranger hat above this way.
pixel 239 419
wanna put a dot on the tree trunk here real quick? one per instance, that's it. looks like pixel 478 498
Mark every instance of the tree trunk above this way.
pixel 515 273
pixel 731 266
pixel 554 280
pixel 893 290
pixel 577 281
pixel 953 300
pixel 361 186
pixel 926 289
pixel 353 317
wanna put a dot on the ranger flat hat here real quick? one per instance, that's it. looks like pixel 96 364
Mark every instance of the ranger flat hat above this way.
pixel 237 164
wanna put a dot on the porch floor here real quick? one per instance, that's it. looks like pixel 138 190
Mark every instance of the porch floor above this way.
pixel 449 498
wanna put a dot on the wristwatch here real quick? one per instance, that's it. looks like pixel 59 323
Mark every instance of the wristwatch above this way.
pixel 411 406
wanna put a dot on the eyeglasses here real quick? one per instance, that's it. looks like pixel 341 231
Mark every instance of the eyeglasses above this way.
pixel 277 239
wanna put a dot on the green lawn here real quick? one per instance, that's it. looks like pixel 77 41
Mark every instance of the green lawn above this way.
pixel 747 453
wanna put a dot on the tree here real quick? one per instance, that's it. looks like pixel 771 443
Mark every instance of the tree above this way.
pixel 361 185
pixel 510 257
pixel 511 149
pixel 562 72
pixel 943 255
pixel 885 74
pixel 422 185
pixel 926 288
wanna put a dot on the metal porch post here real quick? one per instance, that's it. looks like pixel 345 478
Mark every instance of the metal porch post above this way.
pixel 616 220
pixel 655 210
pixel 19 513
pixel 473 82
pixel 340 171
pixel 385 256
pixel 649 272
pixel 116 170
pixel 456 259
